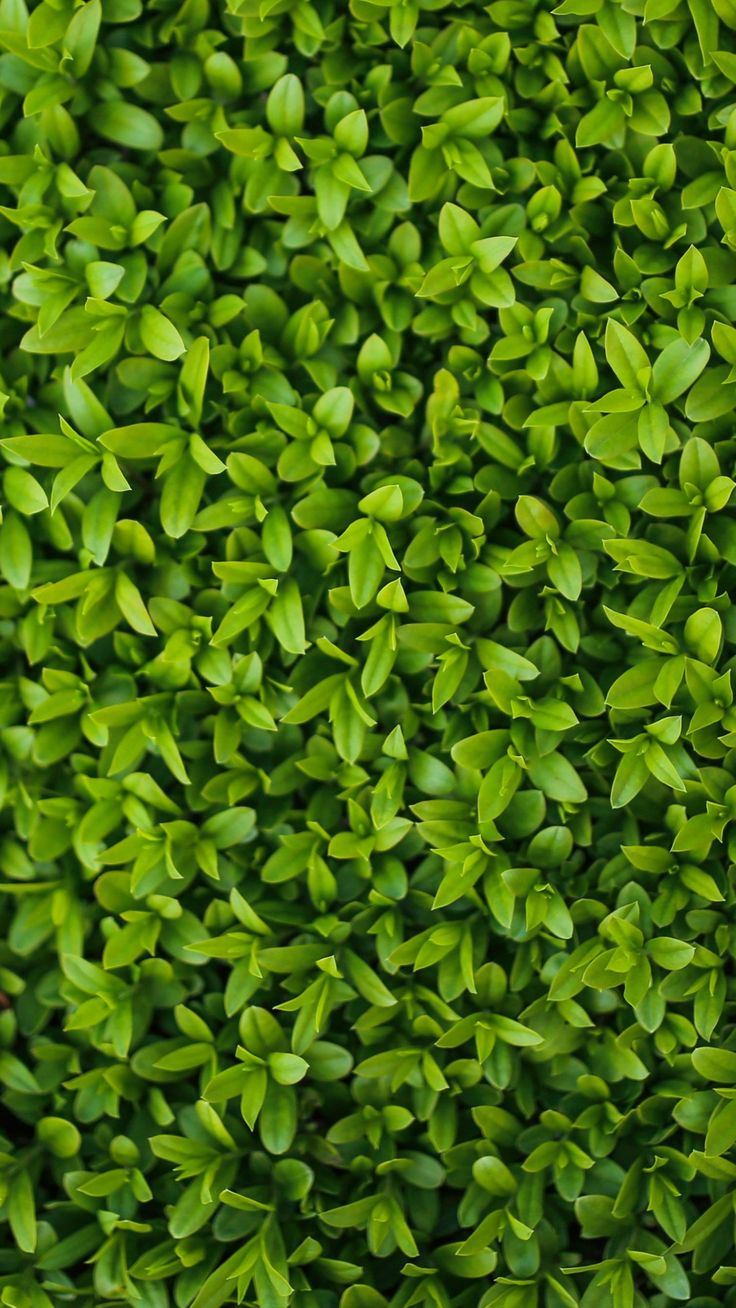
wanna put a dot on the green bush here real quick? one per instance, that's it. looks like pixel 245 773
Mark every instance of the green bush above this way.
pixel 367 731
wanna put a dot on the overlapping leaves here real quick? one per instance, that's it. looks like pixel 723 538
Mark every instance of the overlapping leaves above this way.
pixel 368 740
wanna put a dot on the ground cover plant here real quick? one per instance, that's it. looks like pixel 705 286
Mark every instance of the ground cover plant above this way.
pixel 367 726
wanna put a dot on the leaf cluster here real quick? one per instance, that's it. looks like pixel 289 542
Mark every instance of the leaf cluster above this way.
pixel 367 724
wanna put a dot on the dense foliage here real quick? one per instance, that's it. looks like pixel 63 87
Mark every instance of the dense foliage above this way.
pixel 368 736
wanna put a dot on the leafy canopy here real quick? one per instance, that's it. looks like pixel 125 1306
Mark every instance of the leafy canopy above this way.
pixel 367 724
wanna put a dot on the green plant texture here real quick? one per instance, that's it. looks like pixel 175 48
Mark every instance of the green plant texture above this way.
pixel 367 721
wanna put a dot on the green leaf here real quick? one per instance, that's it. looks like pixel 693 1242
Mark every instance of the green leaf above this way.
pixel 557 778
pixel 128 125
pixel 677 368
pixel 278 1119
pixel 21 1212
pixel 287 1069
pixel 181 495
pixel 159 335
pixel 625 355
pixel 286 617
pixel 717 1065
